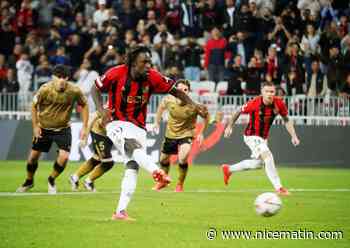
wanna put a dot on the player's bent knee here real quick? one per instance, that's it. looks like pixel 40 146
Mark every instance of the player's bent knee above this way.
pixel 266 155
pixel 63 155
pixel 131 145
pixel 132 164
pixel 107 165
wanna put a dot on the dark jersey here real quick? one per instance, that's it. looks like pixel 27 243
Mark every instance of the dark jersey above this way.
pixel 127 98
pixel 262 116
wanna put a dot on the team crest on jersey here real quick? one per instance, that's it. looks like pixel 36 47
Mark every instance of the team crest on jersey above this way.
pixel 146 89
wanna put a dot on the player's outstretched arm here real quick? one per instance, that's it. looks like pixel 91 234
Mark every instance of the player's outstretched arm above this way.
pixel 229 128
pixel 187 100
pixel 290 128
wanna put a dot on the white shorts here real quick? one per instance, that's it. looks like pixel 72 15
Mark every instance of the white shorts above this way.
pixel 257 145
pixel 118 131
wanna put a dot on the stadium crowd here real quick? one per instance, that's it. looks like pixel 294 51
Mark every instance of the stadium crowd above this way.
pixel 303 46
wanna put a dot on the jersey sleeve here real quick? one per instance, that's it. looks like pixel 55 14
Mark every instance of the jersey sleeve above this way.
pixel 160 83
pixel 106 80
pixel 39 95
pixel 282 108
pixel 248 107
pixel 81 99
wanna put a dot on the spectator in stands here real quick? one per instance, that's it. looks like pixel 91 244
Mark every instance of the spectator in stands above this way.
pixel 128 15
pixel 155 59
pixel 94 55
pixel 229 18
pixel 25 19
pixel 151 23
pixel 210 14
pixel 189 17
pixel 245 20
pixel 294 83
pixel 240 44
pixel 216 55
pixel 76 49
pixel 192 59
pixel 42 72
pixel 316 81
pixel 60 57
pixel 237 74
pixel 344 26
pixel 24 72
pixel 3 68
pixel 345 90
pixel 8 38
pixel 164 51
pixel 329 37
pixel 101 14
pixel 280 35
pixel 161 29
pixel 274 65
pixel 335 69
pixel 310 45
pixel 293 59
pixel 254 77
pixel 86 77
pixel 11 87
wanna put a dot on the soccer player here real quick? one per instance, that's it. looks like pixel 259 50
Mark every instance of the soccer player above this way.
pixel 262 111
pixel 100 162
pixel 51 112
pixel 129 88
pixel 179 133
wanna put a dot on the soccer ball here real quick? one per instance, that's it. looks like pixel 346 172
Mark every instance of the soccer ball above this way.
pixel 267 204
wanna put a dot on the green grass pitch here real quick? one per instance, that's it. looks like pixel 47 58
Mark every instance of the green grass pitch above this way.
pixel 319 202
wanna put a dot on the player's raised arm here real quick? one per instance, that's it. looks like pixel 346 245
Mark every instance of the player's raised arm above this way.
pixel 187 100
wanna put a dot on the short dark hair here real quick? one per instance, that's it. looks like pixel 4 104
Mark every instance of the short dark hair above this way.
pixel 184 82
pixel 134 52
pixel 267 83
pixel 61 71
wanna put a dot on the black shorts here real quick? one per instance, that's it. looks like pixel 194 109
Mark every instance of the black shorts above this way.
pixel 62 138
pixel 171 146
pixel 102 145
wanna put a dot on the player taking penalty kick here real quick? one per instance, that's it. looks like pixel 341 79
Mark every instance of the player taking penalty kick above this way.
pixel 130 87
pixel 262 111
pixel 51 112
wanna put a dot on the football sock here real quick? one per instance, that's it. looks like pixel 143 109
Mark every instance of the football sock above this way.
pixel 271 172
pixel 248 164
pixel 31 168
pixel 128 187
pixel 144 160
pixel 85 168
pixel 57 169
pixel 165 167
pixel 183 168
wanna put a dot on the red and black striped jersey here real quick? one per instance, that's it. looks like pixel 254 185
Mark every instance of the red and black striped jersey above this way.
pixel 262 116
pixel 127 98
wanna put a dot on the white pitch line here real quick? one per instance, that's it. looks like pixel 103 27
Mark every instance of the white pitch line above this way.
pixel 13 194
